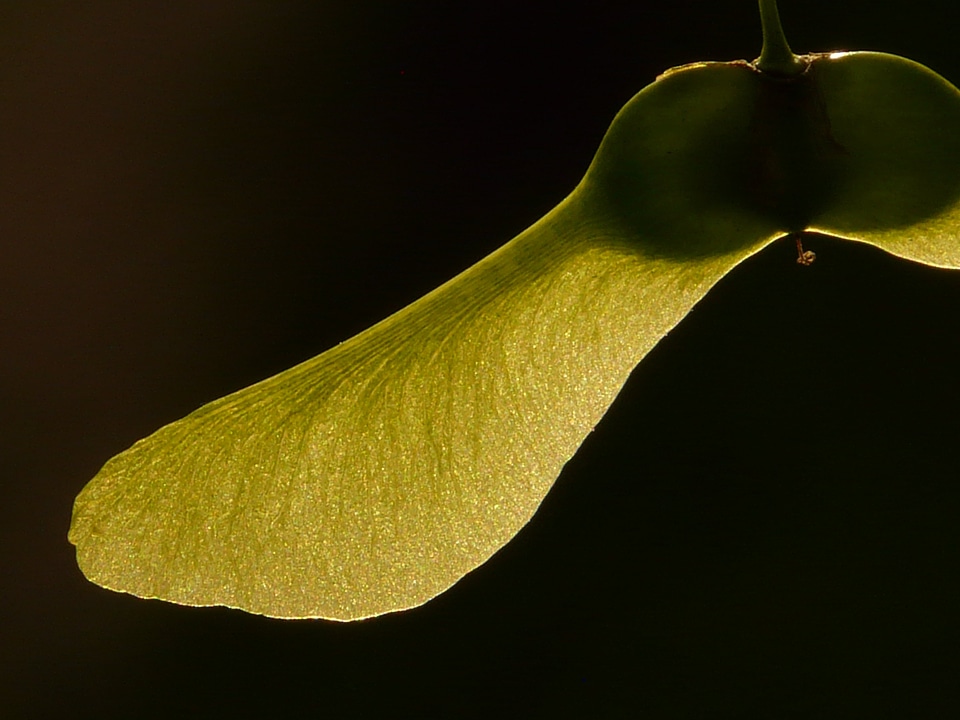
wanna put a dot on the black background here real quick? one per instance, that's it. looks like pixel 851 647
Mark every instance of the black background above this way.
pixel 196 195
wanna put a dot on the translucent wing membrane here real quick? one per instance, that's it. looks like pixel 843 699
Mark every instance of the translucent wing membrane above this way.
pixel 374 476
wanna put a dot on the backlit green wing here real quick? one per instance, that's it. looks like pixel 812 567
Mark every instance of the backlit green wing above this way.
pixel 374 476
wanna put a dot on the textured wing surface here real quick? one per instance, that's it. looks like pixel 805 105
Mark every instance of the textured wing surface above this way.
pixel 372 477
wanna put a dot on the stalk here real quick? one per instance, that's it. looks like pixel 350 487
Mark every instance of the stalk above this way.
pixel 776 57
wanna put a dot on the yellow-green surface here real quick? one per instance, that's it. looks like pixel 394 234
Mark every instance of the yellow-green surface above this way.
pixel 373 477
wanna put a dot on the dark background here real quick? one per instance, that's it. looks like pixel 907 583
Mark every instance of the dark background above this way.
pixel 196 195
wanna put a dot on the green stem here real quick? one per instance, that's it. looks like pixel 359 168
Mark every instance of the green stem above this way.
pixel 776 57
